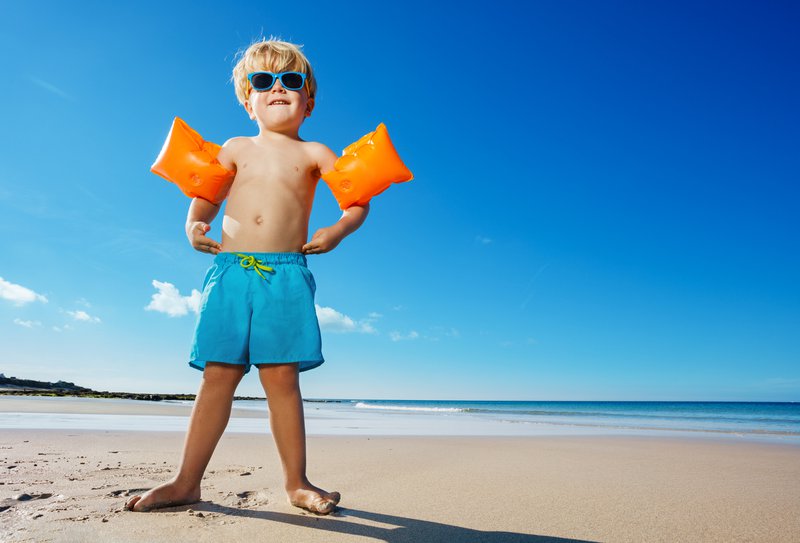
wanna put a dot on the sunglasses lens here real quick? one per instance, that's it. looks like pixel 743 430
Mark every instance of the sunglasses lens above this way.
pixel 292 81
pixel 262 81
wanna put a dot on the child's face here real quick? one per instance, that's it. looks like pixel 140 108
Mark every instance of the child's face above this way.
pixel 279 109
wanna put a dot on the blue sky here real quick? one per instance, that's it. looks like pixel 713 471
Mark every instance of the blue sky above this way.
pixel 605 202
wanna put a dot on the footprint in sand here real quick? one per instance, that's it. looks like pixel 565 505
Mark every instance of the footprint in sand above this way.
pixel 126 492
pixel 252 498
pixel 8 503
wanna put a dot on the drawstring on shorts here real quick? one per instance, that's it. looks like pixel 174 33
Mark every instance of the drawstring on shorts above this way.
pixel 249 261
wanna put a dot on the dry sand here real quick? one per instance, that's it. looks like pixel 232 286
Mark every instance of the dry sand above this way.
pixel 406 489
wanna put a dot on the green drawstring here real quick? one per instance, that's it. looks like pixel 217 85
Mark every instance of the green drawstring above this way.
pixel 248 261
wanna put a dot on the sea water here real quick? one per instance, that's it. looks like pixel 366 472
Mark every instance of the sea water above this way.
pixel 755 421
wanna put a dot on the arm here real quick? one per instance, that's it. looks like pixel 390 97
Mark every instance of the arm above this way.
pixel 326 239
pixel 351 219
pixel 201 213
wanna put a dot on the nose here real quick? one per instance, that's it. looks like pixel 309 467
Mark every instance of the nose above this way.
pixel 277 86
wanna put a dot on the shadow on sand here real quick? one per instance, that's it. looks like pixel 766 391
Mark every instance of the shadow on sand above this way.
pixel 394 529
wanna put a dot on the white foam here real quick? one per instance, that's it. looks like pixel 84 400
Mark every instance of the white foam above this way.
pixel 362 405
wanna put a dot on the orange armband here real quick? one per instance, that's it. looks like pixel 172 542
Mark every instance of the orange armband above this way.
pixel 190 162
pixel 365 169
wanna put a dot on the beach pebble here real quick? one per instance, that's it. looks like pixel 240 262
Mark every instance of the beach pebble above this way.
pixel 11 466
pixel 245 473
pixel 22 497
pixel 104 519
pixel 37 515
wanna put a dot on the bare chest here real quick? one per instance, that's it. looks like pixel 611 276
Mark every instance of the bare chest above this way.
pixel 276 167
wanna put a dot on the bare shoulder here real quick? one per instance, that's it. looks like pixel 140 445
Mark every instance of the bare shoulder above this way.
pixel 229 153
pixel 322 155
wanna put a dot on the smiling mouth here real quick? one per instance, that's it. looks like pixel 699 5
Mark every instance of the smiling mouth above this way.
pixel 279 103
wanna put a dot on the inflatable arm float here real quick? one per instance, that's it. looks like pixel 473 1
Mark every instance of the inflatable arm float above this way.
pixel 365 169
pixel 191 163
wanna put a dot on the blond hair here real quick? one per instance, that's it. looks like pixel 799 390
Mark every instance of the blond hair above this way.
pixel 271 55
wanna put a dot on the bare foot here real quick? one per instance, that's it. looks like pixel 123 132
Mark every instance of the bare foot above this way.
pixel 314 499
pixel 166 495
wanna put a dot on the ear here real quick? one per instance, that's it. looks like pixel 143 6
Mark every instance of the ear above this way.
pixel 249 110
pixel 309 107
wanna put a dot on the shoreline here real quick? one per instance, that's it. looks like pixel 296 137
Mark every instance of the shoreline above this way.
pixel 407 489
pixel 331 418
pixel 150 397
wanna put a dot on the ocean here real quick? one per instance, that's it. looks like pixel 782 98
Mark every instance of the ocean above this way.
pixel 771 421
pixel 755 421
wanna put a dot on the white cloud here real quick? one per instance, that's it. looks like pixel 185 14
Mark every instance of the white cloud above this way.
pixel 446 331
pixel 331 320
pixel 82 316
pixel 17 294
pixel 27 324
pixel 65 327
pixel 397 336
pixel 169 300
pixel 83 302
pixel 50 87
pixel 483 240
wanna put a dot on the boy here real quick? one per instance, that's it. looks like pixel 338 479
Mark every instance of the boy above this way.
pixel 258 295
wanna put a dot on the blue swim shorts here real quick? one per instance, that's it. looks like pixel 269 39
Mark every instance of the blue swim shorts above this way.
pixel 258 308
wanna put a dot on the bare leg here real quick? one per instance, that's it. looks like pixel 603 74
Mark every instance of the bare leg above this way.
pixel 210 414
pixel 281 384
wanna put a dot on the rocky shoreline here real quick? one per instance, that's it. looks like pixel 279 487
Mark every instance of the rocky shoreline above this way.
pixel 11 386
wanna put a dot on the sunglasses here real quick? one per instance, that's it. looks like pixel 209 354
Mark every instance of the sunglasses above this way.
pixel 263 81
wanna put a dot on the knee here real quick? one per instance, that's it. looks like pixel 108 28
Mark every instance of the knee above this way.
pixel 279 377
pixel 223 374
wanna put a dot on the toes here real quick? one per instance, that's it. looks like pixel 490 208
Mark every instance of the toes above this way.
pixel 132 502
pixel 317 503
pixel 323 507
pixel 333 497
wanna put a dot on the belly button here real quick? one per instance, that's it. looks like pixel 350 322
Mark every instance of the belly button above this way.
pixel 259 219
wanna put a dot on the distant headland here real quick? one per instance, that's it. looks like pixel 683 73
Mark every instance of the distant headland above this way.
pixel 11 386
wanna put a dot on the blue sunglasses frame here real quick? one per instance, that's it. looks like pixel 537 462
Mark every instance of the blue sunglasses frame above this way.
pixel 275 77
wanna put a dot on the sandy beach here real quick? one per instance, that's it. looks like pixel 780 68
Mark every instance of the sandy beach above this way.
pixel 405 489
